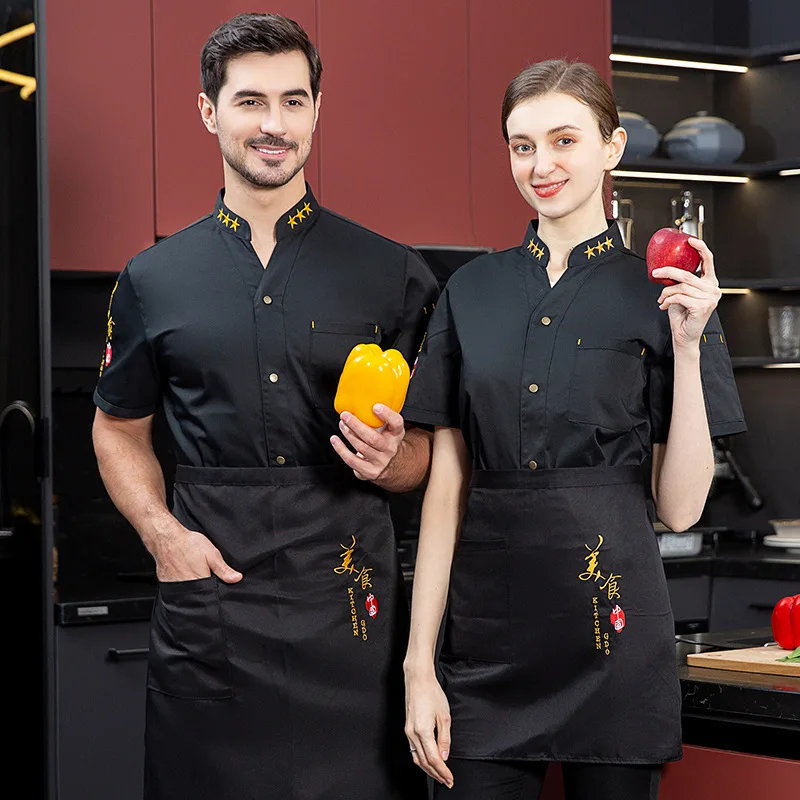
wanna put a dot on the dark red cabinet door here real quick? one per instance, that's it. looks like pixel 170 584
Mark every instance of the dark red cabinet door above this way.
pixel 395 143
pixel 506 36
pixel 100 132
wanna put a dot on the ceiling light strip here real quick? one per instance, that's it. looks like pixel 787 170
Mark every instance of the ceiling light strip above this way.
pixel 787 172
pixel 677 62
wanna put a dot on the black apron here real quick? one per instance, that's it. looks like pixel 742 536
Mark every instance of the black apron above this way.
pixel 559 640
pixel 287 685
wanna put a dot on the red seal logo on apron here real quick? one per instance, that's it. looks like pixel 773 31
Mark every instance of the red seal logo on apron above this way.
pixel 108 354
pixel 618 618
pixel 372 605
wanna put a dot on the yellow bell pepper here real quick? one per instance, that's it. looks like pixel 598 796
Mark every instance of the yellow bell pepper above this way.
pixel 371 376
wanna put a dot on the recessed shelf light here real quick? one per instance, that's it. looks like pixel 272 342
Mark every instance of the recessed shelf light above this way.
pixel 677 62
pixel 785 173
pixel 793 365
pixel 792 57
pixel 679 176
pixel 735 291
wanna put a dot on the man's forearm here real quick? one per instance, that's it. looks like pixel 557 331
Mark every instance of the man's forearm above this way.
pixel 134 481
pixel 409 467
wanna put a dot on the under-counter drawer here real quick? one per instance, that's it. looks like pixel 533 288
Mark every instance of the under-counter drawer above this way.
pixel 746 602
pixel 101 676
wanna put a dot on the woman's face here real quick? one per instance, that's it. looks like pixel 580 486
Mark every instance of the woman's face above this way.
pixel 558 156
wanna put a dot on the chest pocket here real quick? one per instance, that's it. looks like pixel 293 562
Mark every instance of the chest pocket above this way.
pixel 606 377
pixel 331 343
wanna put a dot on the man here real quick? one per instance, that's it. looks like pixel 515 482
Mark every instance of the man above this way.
pixel 280 624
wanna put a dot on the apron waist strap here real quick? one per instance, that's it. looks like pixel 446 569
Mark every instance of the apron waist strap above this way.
pixel 261 476
pixel 571 477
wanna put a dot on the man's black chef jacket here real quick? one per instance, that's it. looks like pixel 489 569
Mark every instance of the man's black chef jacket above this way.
pixel 575 375
pixel 246 360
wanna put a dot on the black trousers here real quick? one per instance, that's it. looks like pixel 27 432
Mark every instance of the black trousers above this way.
pixel 523 780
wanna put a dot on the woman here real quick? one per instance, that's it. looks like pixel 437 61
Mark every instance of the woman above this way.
pixel 573 400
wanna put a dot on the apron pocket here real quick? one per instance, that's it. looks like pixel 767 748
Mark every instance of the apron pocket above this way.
pixel 188 652
pixel 478 620
pixel 605 380
pixel 331 343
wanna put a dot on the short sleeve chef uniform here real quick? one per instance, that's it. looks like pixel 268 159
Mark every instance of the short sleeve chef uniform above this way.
pixel 289 683
pixel 559 638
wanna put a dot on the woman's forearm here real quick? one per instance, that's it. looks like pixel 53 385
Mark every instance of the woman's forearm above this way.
pixel 442 510
pixel 687 468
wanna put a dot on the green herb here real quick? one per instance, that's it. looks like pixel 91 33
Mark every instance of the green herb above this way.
pixel 793 656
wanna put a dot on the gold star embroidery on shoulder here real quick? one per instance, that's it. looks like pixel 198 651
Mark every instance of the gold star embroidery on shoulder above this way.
pixel 226 220
pixel 307 209
pixel 539 251
pixel 235 223
pixel 220 215
pixel 292 221
pixel 600 246
pixel 608 243
pixel 589 251
pixel 531 246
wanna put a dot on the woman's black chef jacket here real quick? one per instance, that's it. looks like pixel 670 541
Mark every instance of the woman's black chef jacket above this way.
pixel 247 359
pixel 517 365
pixel 263 688
pixel 559 637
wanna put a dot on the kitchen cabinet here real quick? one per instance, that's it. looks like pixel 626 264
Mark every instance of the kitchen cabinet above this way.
pixel 690 598
pixel 99 133
pixel 188 165
pixel 505 36
pixel 101 674
pixel 395 117
pixel 707 773
pixel 746 602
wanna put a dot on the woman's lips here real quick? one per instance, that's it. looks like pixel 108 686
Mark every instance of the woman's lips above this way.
pixel 549 189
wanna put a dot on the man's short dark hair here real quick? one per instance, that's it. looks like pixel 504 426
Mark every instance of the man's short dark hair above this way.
pixel 255 33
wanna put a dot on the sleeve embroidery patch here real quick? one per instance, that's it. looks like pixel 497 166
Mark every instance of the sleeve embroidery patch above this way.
pixel 107 352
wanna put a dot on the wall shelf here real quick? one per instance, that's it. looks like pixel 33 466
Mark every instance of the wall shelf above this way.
pixel 764 169
pixel 762 284
pixel 763 363
pixel 696 51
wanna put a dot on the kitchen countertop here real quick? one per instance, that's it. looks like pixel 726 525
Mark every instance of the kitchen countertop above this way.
pixel 740 711
pixel 748 694
pixel 737 559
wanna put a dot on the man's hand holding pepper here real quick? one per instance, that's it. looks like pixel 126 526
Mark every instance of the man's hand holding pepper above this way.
pixel 374 447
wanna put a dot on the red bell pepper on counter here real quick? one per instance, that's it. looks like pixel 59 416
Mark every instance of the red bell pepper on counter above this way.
pixel 786 622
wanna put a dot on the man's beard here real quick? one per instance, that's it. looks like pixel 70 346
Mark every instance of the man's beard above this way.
pixel 268 177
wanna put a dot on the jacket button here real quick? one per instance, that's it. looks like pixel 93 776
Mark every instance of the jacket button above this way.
pixel 533 388
pixel 273 377
pixel 546 320
pixel 532 464
pixel 280 460
pixel 267 299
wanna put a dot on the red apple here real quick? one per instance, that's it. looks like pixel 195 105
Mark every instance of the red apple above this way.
pixel 669 247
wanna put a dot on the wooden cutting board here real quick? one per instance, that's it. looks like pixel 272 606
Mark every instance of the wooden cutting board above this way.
pixel 753 659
